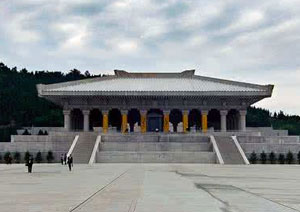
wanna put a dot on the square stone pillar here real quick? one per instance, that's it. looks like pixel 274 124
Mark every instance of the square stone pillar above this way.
pixel 166 121
pixel 67 120
pixel 204 114
pixel 104 121
pixel 124 121
pixel 143 120
pixel 242 121
pixel 185 120
pixel 223 114
pixel 86 120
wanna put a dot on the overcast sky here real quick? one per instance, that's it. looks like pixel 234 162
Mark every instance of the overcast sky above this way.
pixel 253 41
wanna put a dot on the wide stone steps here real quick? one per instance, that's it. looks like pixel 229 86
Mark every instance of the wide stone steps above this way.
pixel 228 150
pixel 84 147
pixel 151 146
pixel 155 152
pixel 155 157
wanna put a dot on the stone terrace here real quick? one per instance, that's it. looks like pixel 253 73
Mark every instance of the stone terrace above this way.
pixel 150 187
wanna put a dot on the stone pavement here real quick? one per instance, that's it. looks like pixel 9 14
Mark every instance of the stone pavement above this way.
pixel 150 187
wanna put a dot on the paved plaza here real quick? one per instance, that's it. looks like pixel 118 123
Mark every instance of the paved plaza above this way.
pixel 150 187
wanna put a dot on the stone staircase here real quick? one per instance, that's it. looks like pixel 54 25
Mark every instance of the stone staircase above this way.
pixel 228 150
pixel 155 152
pixel 84 147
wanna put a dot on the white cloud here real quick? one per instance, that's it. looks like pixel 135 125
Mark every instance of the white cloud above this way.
pixel 251 41
pixel 75 33
pixel 127 46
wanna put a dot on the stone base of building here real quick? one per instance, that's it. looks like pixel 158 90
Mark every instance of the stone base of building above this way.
pixel 153 147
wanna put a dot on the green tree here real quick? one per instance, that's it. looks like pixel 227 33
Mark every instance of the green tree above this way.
pixel 253 158
pixel 17 157
pixel 7 157
pixel 40 132
pixel 263 157
pixel 289 157
pixel 26 156
pixel 281 158
pixel 50 157
pixel 272 158
pixel 39 157
pixel 298 157
pixel 26 132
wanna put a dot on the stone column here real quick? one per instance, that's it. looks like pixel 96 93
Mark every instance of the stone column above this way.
pixel 124 121
pixel 143 120
pixel 104 121
pixel 223 114
pixel 67 120
pixel 204 120
pixel 243 114
pixel 185 120
pixel 166 121
pixel 86 120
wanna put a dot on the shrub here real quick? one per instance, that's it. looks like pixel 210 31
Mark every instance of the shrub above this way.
pixel 7 157
pixel 272 157
pixel 17 157
pixel 289 157
pixel 253 158
pixel 281 158
pixel 45 133
pixel 38 157
pixel 40 132
pixel 298 157
pixel 50 156
pixel 263 157
pixel 26 132
pixel 26 156
pixel 0 157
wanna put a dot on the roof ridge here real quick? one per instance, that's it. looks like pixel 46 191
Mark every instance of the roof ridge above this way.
pixel 125 74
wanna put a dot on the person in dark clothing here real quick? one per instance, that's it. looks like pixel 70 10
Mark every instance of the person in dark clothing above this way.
pixel 30 164
pixel 70 162
pixel 65 159
pixel 62 159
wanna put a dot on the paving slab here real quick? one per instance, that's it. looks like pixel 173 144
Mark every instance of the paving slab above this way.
pixel 150 187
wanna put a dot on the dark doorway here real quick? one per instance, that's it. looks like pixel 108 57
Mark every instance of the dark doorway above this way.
pixel 95 118
pixel 133 117
pixel 214 119
pixel 233 120
pixel 115 118
pixel 77 119
pixel 154 120
pixel 195 119
pixel 175 118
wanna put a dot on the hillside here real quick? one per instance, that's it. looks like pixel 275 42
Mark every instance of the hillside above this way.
pixel 20 105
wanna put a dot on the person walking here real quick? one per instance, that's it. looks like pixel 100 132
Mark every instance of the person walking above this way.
pixel 65 159
pixel 30 164
pixel 70 162
pixel 62 159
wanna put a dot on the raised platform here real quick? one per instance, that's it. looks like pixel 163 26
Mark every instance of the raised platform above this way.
pixel 149 147
pixel 149 152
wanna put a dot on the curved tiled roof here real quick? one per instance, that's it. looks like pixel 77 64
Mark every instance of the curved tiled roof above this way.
pixel 183 83
pixel 155 84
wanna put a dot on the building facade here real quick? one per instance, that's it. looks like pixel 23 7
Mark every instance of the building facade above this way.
pixel 147 102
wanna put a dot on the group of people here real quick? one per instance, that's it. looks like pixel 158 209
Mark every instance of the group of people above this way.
pixel 67 160
pixel 64 161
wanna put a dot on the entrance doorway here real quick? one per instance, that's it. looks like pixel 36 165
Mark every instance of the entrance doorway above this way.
pixel 154 120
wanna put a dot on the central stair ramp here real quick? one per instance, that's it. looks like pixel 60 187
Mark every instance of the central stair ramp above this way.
pixel 230 150
pixel 155 149
pixel 83 148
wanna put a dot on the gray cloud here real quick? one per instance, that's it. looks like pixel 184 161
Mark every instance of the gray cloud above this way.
pixel 251 41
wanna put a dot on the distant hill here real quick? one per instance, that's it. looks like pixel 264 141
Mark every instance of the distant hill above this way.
pixel 20 105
